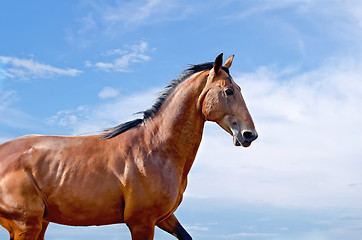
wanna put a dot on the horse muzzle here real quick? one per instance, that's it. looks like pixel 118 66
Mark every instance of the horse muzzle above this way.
pixel 242 135
pixel 244 138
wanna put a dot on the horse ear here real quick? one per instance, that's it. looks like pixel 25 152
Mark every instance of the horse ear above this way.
pixel 218 63
pixel 229 61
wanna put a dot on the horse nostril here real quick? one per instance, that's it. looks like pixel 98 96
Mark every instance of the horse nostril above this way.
pixel 248 135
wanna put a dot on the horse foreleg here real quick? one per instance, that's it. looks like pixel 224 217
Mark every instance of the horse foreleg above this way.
pixel 43 229
pixel 172 226
pixel 28 228
pixel 31 228
pixel 142 232
pixel 8 225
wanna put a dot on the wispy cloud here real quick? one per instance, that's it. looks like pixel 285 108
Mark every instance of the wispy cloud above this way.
pixel 94 119
pixel 260 7
pixel 108 92
pixel 113 20
pixel 11 118
pixel 65 118
pixel 2 140
pixel 333 26
pixel 250 235
pixel 138 12
pixel 343 14
pixel 197 228
pixel 14 67
pixel 123 58
pixel 6 98
pixel 85 33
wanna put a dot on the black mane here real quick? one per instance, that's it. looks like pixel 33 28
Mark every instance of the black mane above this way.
pixel 149 113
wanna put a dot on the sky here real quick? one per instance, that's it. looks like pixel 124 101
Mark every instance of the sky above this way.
pixel 78 67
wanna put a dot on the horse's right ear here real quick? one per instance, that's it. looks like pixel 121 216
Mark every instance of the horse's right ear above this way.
pixel 218 63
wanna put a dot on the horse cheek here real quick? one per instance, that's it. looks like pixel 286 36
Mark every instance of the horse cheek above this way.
pixel 213 106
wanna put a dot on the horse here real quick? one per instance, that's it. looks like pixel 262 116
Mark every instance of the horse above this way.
pixel 134 173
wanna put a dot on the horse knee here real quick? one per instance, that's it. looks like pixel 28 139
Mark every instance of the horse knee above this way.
pixel 28 229
pixel 30 233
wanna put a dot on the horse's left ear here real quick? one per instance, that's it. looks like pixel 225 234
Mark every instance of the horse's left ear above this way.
pixel 229 61
pixel 218 63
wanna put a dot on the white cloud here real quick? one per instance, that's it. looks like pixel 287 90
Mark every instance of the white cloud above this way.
pixel 28 68
pixel 67 118
pixel 257 9
pixel 108 92
pixel 196 228
pixel 136 13
pixel 17 119
pixel 93 120
pixel 111 20
pixel 250 235
pixel 355 11
pixel 345 15
pixel 2 140
pixel 341 9
pixel 136 53
pixel 6 98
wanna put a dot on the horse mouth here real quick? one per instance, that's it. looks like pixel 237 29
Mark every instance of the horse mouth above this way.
pixel 243 143
pixel 241 137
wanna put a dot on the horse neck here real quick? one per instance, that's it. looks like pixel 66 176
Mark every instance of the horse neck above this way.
pixel 178 125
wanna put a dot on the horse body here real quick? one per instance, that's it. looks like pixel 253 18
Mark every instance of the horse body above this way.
pixel 137 177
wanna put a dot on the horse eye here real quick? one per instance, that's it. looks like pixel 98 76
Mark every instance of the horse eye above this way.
pixel 229 92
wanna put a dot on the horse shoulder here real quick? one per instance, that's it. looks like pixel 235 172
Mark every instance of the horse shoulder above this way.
pixel 154 183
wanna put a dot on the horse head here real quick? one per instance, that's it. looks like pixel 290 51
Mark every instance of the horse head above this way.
pixel 221 101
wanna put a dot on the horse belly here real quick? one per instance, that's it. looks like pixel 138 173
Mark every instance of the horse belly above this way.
pixel 84 199
pixel 84 211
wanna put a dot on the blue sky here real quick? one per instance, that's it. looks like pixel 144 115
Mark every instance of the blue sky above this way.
pixel 77 67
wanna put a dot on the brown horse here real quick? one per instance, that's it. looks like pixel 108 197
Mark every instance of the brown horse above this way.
pixel 134 173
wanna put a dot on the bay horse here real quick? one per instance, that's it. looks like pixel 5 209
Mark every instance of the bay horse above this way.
pixel 134 173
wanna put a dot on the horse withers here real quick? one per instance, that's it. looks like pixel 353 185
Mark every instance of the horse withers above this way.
pixel 134 173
